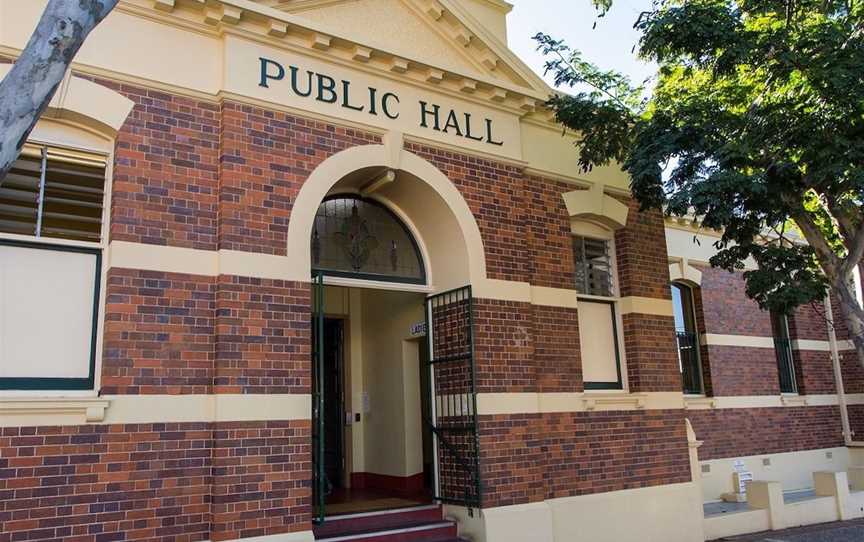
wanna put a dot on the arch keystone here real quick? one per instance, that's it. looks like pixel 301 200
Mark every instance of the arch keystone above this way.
pixel 594 205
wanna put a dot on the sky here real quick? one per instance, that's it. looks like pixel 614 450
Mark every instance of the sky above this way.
pixel 608 46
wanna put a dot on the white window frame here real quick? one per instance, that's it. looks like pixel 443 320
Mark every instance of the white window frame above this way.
pixel 70 136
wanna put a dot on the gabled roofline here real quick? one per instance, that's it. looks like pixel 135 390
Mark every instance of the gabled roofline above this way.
pixel 227 13
pixel 497 47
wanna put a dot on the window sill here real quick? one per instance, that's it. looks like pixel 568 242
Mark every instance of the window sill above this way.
pixel 29 411
pixel 793 399
pixel 604 400
pixel 696 402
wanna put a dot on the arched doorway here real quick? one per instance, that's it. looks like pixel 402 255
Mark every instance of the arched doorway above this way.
pixel 382 245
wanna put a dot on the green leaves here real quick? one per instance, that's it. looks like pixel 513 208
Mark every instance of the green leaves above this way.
pixel 757 117
pixel 603 107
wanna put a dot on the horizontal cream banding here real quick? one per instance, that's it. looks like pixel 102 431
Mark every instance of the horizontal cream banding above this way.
pixel 746 341
pixel 769 401
pixel 301 536
pixel 646 305
pixel 207 408
pixel 492 404
pixel 211 263
pixel 554 297
pixel 752 341
pixel 20 411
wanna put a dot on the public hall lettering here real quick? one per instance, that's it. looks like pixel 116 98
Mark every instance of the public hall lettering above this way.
pixel 327 89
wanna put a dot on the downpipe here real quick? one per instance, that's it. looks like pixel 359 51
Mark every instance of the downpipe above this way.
pixel 838 376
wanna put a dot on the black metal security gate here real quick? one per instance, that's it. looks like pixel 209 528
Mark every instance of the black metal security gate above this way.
pixel 319 477
pixel 450 330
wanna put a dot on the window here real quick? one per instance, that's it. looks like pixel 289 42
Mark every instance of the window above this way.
pixel 360 238
pixel 783 350
pixel 53 192
pixel 51 212
pixel 598 336
pixel 598 320
pixel 688 338
pixel 593 266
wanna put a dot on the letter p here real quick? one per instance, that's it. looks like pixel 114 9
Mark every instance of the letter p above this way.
pixel 266 72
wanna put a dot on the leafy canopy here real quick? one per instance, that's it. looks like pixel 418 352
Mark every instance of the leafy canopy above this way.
pixel 755 125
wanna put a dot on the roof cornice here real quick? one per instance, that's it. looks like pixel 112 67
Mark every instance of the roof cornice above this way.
pixel 287 31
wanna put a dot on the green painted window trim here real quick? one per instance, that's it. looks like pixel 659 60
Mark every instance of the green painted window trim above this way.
pixel 619 384
pixel 64 383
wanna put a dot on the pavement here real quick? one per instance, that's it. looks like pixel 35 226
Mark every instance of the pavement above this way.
pixel 841 531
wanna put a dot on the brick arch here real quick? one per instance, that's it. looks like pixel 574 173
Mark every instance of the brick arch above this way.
pixel 451 243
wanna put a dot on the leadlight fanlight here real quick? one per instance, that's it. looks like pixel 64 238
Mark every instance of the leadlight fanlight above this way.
pixel 360 238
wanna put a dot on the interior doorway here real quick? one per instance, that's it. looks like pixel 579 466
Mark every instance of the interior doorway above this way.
pixel 334 449
pixel 377 445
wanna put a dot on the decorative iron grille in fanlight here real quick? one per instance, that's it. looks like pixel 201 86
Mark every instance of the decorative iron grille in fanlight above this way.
pixel 360 238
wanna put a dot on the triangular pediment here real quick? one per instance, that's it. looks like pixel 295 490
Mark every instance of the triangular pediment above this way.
pixel 438 33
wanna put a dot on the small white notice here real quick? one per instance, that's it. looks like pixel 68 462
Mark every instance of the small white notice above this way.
pixel 418 329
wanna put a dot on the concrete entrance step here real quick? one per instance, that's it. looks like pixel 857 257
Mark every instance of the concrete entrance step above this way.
pixel 417 523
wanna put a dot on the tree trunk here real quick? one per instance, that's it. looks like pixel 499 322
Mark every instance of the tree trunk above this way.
pixel 852 312
pixel 27 89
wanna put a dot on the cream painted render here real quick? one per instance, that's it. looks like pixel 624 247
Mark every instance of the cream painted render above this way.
pixel 669 513
pixel 794 470
pixel 221 60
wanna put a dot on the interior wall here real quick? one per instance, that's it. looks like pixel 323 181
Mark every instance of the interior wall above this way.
pixel 391 373
pixel 382 379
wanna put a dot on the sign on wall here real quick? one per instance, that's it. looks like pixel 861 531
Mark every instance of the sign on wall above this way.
pixel 335 90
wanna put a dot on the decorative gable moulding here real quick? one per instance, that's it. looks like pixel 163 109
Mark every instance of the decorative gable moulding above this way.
pixel 501 84
pixel 222 14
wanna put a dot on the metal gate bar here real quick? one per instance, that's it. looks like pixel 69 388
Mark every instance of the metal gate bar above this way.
pixel 450 328
pixel 319 477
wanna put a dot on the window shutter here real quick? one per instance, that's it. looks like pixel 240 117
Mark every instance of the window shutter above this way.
pixel 72 184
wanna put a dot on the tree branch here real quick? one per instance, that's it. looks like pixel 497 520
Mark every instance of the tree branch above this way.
pixel 828 260
pixel 856 253
pixel 27 89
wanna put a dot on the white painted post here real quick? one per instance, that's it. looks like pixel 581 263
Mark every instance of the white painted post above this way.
pixel 834 484
pixel 768 496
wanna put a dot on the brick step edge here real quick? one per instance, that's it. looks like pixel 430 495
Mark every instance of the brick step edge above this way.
pixel 379 520
pixel 430 532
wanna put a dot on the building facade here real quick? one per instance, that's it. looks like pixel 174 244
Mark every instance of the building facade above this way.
pixel 259 254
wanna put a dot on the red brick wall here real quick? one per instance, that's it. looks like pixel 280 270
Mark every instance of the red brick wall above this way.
pixel 856 421
pixel 809 322
pixel 595 452
pixel 814 372
pixel 640 250
pixel 106 482
pixel 755 431
pixel 727 309
pixel 511 459
pixel 738 370
pixel 528 458
pixel 555 333
pixel 548 233
pixel 265 157
pixel 159 333
pixel 166 170
pixel 263 336
pixel 853 373
pixel 504 346
pixel 723 308
pixel 261 476
pixel 494 192
pixel 209 176
pixel 652 358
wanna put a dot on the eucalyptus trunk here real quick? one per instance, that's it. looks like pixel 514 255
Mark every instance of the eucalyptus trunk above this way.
pixel 853 313
pixel 27 89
